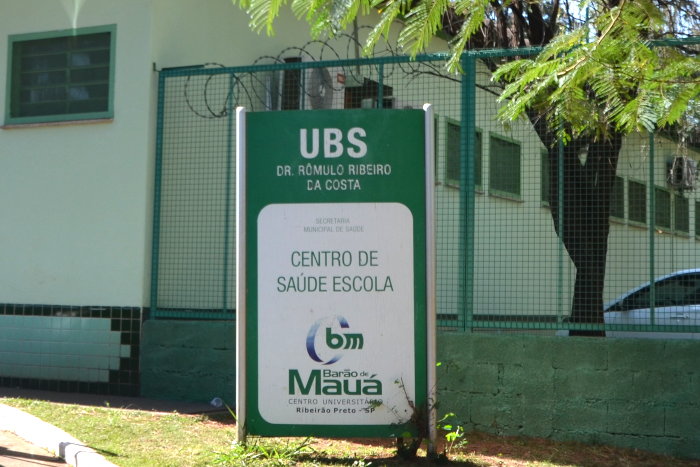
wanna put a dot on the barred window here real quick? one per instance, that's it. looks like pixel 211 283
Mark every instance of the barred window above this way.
pixel 662 211
pixel 453 138
pixel 681 210
pixel 637 202
pixel 504 166
pixel 61 75
pixel 617 200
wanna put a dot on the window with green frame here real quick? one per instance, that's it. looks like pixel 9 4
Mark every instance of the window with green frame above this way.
pixel 453 141
pixel 672 211
pixel 544 177
pixel 662 209
pixel 697 218
pixel 637 202
pixel 617 200
pixel 61 75
pixel 504 166
pixel 681 213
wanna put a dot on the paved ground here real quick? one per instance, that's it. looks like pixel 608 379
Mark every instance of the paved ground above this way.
pixel 16 452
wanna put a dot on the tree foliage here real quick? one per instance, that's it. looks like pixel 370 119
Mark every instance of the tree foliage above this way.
pixel 607 68
pixel 604 66
pixel 606 75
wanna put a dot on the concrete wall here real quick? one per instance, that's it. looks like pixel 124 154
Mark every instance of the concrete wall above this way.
pixel 637 393
pixel 189 360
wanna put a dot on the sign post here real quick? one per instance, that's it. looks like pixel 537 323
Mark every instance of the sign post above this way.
pixel 336 266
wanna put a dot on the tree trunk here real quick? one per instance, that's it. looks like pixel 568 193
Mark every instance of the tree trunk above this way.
pixel 588 178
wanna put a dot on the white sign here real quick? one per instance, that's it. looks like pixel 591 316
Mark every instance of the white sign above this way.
pixel 335 313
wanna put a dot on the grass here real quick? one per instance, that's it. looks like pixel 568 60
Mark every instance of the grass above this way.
pixel 144 439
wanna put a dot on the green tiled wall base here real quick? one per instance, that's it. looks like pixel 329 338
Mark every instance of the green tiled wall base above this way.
pixel 52 347
pixel 638 393
pixel 189 360
pixel 74 349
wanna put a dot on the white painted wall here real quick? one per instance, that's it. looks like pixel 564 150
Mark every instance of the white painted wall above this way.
pixel 187 33
pixel 74 198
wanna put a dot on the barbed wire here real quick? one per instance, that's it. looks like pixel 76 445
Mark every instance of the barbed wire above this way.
pixel 256 88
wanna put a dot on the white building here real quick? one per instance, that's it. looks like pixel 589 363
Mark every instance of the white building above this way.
pixel 77 170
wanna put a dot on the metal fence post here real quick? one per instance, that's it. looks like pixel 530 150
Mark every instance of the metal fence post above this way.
pixel 652 227
pixel 227 215
pixel 467 185
pixel 380 91
pixel 156 196
pixel 560 226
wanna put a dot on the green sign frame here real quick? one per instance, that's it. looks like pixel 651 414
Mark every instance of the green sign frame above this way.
pixel 352 164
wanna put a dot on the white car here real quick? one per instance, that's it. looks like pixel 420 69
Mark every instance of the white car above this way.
pixel 677 303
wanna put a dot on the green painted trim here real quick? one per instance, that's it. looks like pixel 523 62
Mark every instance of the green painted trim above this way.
pixel 8 84
pixel 112 68
pixel 553 326
pixel 59 118
pixel 32 36
pixel 12 66
pixel 260 183
pixel 501 193
pixel 192 315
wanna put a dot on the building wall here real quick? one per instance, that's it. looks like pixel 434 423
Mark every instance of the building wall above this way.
pixel 76 200
pixel 637 393
pixel 518 269
pixel 75 232
pixel 186 34
pixel 73 198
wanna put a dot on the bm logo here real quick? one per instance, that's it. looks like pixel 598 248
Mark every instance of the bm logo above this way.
pixel 334 340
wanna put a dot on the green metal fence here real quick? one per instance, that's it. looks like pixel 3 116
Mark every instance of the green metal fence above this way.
pixel 532 234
